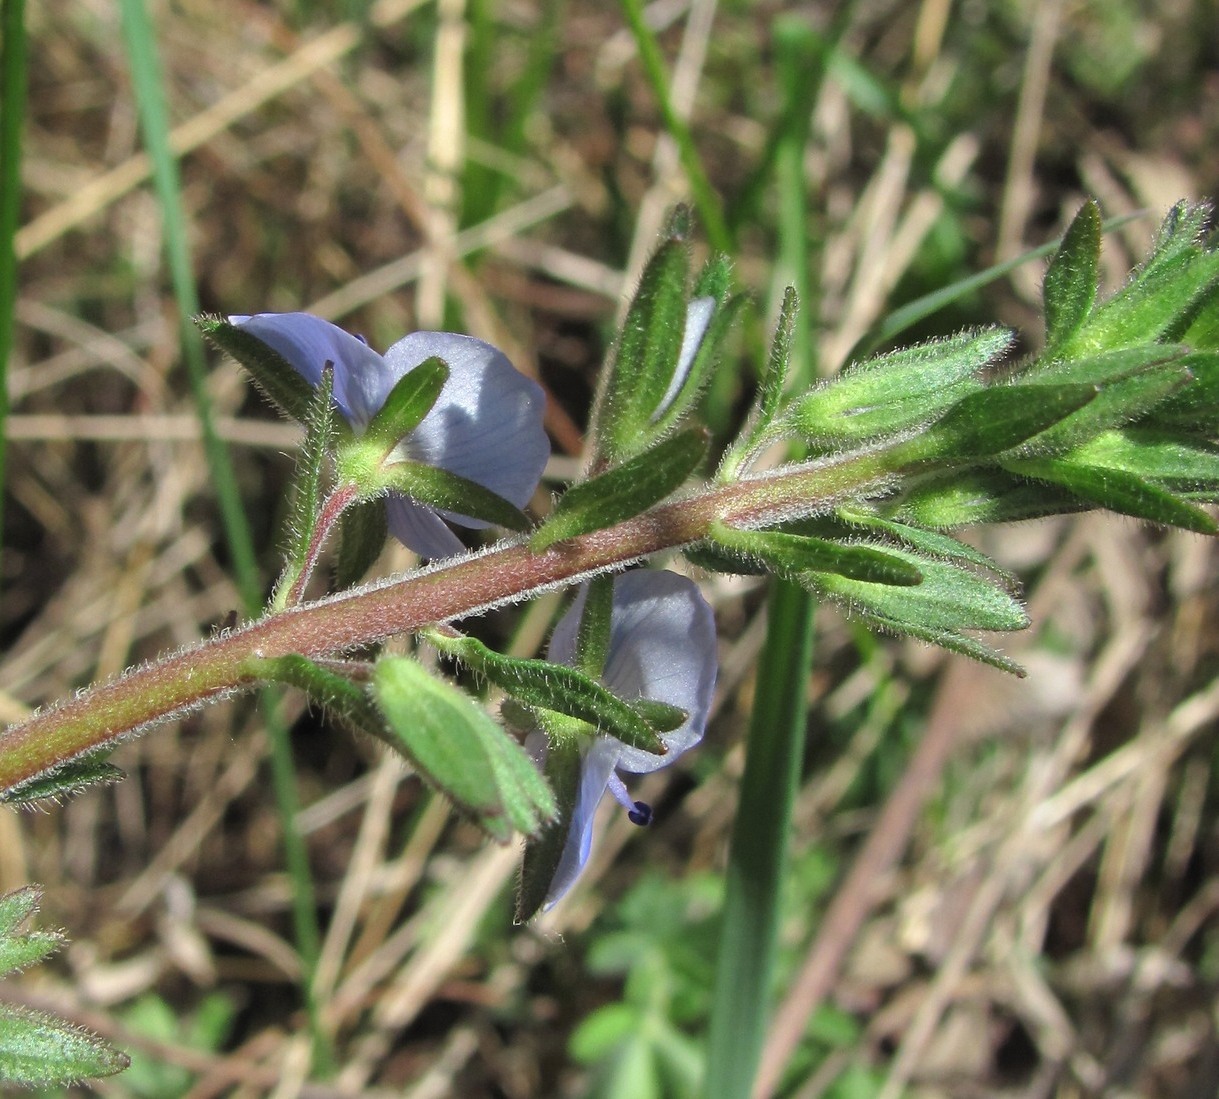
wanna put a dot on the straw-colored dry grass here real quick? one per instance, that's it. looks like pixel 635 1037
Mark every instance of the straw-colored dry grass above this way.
pixel 1033 912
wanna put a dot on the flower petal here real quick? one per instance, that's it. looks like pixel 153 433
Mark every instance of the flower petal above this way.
pixel 595 770
pixel 419 528
pixel 487 424
pixel 361 378
pixel 698 319
pixel 662 646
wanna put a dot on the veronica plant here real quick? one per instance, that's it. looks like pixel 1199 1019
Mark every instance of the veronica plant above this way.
pixel 1118 411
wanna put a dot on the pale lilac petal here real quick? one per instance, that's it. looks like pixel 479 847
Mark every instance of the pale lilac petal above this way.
pixel 698 319
pixel 487 424
pixel 307 343
pixel 419 528
pixel 595 770
pixel 662 646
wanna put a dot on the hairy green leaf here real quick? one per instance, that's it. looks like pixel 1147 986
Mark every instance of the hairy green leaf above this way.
pixel 1069 289
pixel 623 491
pixel 458 748
pixel 271 372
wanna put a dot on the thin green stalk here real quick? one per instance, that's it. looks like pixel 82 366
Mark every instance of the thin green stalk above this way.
pixel 757 860
pixel 706 202
pixel 12 117
pixel 148 83
pixel 741 999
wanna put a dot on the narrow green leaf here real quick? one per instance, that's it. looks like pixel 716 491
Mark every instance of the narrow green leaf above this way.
pixel 789 555
pixel 540 684
pixel 307 485
pixel 440 488
pixel 1117 490
pixel 993 420
pixel 408 403
pixel 1194 408
pixel 1162 297
pixel 596 626
pixel 17 906
pixel 898 391
pixel 623 491
pixel 660 715
pixel 14 66
pixel 281 384
pixel 1117 403
pixel 951 597
pixel 948 639
pixel 38 1050
pixel 458 748
pixel 770 392
pixel 963 498
pixel 66 780
pixel 645 357
pixel 1069 289
pixel 928 542
pixel 1154 455
pixel 544 849
pixel 19 948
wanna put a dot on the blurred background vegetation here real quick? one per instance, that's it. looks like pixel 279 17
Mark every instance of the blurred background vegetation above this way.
pixel 1035 894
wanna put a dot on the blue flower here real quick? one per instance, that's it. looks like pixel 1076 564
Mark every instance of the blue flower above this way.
pixel 486 425
pixel 662 647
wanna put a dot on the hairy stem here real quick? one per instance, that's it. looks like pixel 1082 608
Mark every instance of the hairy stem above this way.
pixel 99 717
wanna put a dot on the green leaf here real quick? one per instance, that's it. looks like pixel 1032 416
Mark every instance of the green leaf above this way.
pixel 1162 297
pixel 962 498
pixel 362 533
pixel 771 385
pixel 544 849
pixel 1117 490
pixel 645 357
pixel 539 684
pixel 951 597
pixel 18 949
pixel 623 491
pixel 790 555
pixel 1069 289
pixel 1117 403
pixel 64 781
pixel 271 372
pixel 928 542
pixel 441 488
pixel 698 373
pixel 460 750
pixel 596 626
pixel 38 1050
pixel 408 403
pixel 993 420
pixel 1194 408
pixel 307 485
pixel 1155 455
pixel 896 392
pixel 948 639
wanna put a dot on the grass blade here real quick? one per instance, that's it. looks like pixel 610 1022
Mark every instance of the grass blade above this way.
pixel 148 84
pixel 12 116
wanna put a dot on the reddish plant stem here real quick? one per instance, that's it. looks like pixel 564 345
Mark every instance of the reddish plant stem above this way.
pixel 104 714
pixel 336 503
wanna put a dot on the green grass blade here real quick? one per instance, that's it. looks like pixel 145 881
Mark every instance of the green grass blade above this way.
pixel 710 211
pixel 12 116
pixel 741 999
pixel 148 84
pixel 757 859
